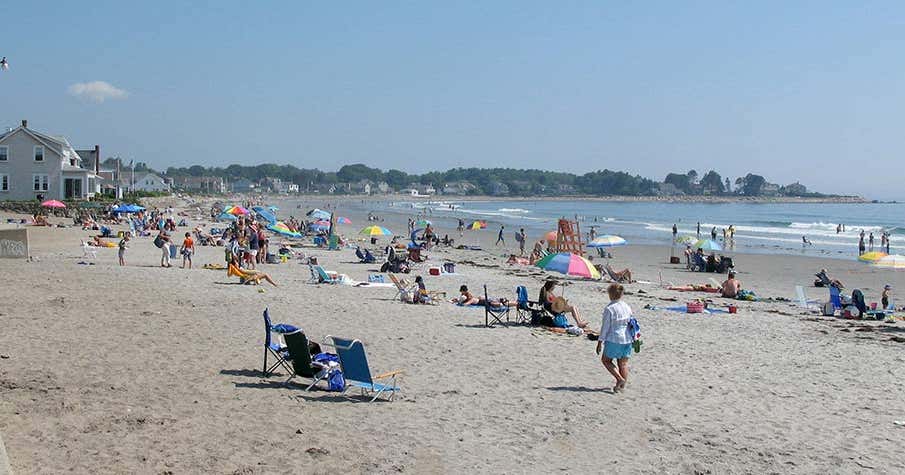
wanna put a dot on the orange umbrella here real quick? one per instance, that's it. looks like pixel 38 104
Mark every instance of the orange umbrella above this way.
pixel 551 236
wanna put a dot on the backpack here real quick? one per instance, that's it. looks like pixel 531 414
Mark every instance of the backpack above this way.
pixel 158 241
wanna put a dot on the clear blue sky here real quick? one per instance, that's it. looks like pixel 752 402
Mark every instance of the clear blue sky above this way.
pixel 792 90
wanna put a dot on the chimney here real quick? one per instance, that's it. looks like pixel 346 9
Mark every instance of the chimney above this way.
pixel 97 159
pixel 24 123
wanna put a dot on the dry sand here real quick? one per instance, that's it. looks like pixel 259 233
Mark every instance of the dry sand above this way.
pixel 139 369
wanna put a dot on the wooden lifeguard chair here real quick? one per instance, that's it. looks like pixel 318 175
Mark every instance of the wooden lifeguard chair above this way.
pixel 568 237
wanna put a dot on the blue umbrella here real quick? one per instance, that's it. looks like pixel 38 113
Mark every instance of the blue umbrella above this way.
pixel 708 245
pixel 318 227
pixel 265 213
pixel 226 217
pixel 319 214
pixel 415 233
pixel 128 208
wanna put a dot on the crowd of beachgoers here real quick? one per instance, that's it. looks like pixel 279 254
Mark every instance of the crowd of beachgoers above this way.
pixel 445 292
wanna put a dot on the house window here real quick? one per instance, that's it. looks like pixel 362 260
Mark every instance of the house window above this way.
pixel 40 182
pixel 4 182
pixel 4 153
pixel 39 153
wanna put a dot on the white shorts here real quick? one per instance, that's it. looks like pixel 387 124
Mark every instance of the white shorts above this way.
pixel 253 252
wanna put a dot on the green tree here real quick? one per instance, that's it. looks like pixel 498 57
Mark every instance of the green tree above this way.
pixel 712 182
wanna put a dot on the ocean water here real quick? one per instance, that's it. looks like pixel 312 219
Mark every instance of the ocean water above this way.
pixel 775 228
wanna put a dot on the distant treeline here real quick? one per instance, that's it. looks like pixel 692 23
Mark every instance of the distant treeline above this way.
pixel 495 181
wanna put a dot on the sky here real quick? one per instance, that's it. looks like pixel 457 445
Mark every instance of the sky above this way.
pixel 807 91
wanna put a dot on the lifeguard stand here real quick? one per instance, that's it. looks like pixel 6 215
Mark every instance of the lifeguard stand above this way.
pixel 568 237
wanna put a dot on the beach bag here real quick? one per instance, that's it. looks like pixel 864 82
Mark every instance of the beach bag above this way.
pixel 336 381
pixel 829 309
pixel 560 321
pixel 158 241
pixel 634 329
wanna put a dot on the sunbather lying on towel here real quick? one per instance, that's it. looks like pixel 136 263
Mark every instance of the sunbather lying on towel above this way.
pixel 466 298
pixel 247 276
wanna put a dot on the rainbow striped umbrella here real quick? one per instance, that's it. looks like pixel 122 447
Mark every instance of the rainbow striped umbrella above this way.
pixel 342 220
pixel 376 231
pixel 569 264
pixel 280 228
pixel 607 241
pixel 892 261
pixel 236 210
pixel 872 257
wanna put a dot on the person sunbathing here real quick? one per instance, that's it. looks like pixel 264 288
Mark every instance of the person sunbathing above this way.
pixel 247 276
pixel 466 298
pixel 731 287
pixel 623 276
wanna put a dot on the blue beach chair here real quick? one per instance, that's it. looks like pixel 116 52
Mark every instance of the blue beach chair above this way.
pixel 320 276
pixel 835 297
pixel 277 351
pixel 525 308
pixel 356 372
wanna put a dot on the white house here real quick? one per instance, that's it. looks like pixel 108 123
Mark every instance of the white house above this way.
pixel 37 166
pixel 147 181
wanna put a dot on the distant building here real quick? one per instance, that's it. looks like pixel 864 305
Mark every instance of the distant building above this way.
pixel 499 188
pixel 458 188
pixel 384 187
pixel 795 189
pixel 668 189
pixel 147 181
pixel 769 189
pixel 244 185
pixel 200 184
pixel 37 166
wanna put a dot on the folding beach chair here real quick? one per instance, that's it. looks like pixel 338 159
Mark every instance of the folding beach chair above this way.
pixel 494 315
pixel 403 290
pixel 836 297
pixel 802 299
pixel 526 308
pixel 320 276
pixel 300 355
pixel 271 348
pixel 356 372
pixel 613 275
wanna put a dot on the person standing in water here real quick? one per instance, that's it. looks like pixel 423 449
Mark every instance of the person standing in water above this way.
pixel 870 242
pixel 713 233
pixel 675 232
pixel 699 230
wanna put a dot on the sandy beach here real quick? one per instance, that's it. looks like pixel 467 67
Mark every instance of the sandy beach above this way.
pixel 142 369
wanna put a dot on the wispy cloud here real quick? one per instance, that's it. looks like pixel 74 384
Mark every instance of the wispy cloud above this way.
pixel 97 91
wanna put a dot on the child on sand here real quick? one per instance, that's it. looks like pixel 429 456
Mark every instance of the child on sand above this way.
pixel 615 337
pixel 884 297
pixel 122 249
pixel 188 248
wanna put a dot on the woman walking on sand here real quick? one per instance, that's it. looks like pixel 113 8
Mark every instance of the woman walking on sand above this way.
pixel 616 337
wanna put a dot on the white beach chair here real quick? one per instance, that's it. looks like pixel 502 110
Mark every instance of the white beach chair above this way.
pixel 802 299
pixel 88 252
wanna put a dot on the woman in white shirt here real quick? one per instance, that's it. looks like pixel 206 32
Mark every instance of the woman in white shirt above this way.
pixel 616 337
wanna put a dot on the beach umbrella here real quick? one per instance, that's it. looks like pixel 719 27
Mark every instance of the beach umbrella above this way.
pixel 686 240
pixel 423 223
pixel 128 208
pixel 873 256
pixel 53 204
pixel 226 217
pixel 376 231
pixel 707 245
pixel 265 213
pixel 236 211
pixel 569 264
pixel 892 261
pixel 607 241
pixel 477 225
pixel 280 228
pixel 342 220
pixel 322 222
pixel 273 209
pixel 318 214
pixel 414 234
